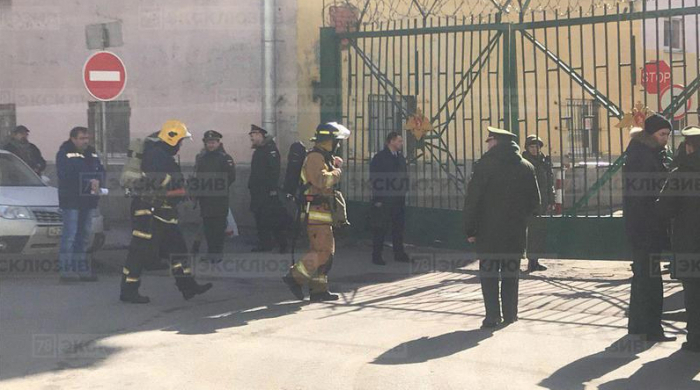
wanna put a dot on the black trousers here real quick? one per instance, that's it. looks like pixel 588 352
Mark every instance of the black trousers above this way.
pixel 215 232
pixel 647 294
pixel 388 216
pixel 504 274
pixel 271 223
pixel 153 238
pixel 691 293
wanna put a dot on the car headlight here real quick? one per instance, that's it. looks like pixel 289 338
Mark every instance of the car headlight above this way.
pixel 15 212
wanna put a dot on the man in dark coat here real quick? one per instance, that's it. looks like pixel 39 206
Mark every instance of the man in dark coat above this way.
pixel 645 229
pixel 80 176
pixel 20 146
pixel 215 172
pixel 501 196
pixel 680 203
pixel 545 180
pixel 264 186
pixel 389 178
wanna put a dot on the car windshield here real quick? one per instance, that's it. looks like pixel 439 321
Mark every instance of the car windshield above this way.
pixel 14 173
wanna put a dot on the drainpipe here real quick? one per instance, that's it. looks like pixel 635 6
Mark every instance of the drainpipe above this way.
pixel 269 121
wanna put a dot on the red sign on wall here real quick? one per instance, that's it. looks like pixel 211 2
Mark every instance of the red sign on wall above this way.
pixel 104 76
pixel 656 77
pixel 345 19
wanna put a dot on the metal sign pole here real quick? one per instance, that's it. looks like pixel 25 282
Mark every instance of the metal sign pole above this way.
pixel 104 133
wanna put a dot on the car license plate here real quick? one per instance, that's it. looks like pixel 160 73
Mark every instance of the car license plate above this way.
pixel 55 231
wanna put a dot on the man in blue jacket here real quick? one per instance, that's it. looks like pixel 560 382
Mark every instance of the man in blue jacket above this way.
pixel 80 173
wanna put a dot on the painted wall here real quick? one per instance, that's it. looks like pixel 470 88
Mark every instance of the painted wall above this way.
pixel 197 61
pixel 194 60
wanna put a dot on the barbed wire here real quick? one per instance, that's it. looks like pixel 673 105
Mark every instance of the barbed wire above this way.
pixel 375 11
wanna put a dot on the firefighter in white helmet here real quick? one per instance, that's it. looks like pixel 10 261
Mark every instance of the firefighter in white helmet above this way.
pixel 320 174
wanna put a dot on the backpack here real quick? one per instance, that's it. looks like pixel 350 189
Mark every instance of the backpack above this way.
pixel 131 173
pixel 295 163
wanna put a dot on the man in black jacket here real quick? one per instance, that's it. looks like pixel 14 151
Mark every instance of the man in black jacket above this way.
pixel 20 146
pixel 680 203
pixel 545 181
pixel 215 172
pixel 154 217
pixel 645 229
pixel 264 185
pixel 389 178
pixel 501 196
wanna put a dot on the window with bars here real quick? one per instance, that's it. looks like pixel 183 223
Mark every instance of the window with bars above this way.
pixel 583 122
pixel 389 113
pixel 673 34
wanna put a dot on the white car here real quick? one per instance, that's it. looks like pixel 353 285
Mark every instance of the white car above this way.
pixel 30 220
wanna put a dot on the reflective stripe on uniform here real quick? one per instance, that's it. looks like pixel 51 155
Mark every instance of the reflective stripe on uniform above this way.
pixel 170 221
pixel 320 216
pixel 176 266
pixel 187 271
pixel 299 267
pixel 166 180
pixel 320 279
pixel 140 234
pixel 125 271
pixel 303 178
pixel 139 213
pixel 132 280
pixel 74 155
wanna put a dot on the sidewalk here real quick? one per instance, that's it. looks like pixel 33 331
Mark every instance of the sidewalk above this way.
pixel 395 327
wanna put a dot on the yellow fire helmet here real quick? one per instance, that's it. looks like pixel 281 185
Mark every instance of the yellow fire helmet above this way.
pixel 173 131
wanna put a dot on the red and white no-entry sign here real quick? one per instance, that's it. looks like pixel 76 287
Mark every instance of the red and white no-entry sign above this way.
pixel 104 75
pixel 665 101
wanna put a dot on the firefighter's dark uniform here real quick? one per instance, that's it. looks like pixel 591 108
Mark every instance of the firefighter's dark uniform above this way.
pixel 154 218
pixel 319 176
pixel 264 201
pixel 215 172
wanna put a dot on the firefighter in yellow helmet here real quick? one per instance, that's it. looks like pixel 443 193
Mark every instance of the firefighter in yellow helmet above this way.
pixel 320 173
pixel 155 218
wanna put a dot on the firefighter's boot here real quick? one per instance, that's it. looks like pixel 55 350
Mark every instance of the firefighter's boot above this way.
pixel 130 292
pixel 189 287
pixel 324 296
pixel 293 286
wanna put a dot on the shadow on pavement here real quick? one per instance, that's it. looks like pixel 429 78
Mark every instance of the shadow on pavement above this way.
pixel 674 372
pixel 429 348
pixel 575 375
pixel 232 319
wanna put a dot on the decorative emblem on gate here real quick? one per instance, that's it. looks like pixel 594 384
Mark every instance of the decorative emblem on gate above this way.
pixel 418 124
pixel 635 118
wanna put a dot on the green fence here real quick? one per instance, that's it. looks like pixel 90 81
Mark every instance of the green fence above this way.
pixel 568 78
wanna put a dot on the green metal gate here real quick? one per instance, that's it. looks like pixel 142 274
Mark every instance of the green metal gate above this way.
pixel 569 78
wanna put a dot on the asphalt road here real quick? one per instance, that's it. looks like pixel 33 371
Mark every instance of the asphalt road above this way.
pixel 395 327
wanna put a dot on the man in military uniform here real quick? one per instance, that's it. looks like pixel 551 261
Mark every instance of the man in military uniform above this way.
pixel 155 217
pixel 501 196
pixel 264 186
pixel 320 173
pixel 679 203
pixel 545 180
pixel 214 170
